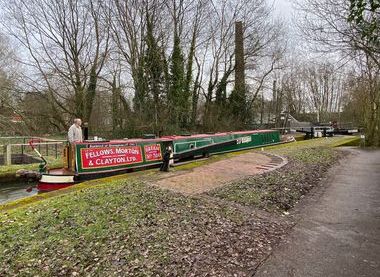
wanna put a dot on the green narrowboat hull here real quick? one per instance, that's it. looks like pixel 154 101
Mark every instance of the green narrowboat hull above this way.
pixel 244 140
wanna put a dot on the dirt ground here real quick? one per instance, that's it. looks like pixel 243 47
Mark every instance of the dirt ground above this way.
pixel 216 174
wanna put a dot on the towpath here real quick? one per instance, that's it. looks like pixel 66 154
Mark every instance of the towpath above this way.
pixel 339 235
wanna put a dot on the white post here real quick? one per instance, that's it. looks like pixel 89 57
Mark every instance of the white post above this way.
pixel 8 155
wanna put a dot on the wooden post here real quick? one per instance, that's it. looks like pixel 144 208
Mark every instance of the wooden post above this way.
pixel 8 154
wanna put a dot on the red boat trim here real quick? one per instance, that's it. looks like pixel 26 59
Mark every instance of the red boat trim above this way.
pixel 52 186
pixel 56 174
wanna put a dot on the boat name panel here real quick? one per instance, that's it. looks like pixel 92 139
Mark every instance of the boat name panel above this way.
pixel 110 156
pixel 244 139
pixel 152 152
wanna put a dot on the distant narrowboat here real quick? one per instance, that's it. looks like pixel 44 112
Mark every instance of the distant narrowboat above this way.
pixel 95 159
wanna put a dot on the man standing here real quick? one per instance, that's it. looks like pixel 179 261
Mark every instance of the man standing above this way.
pixel 75 131
pixel 166 159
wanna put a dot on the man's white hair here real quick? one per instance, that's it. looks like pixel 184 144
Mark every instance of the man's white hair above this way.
pixel 76 120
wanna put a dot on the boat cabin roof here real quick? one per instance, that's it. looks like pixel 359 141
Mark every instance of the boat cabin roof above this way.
pixel 173 137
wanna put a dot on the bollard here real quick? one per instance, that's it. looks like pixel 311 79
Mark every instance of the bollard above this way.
pixel 362 140
pixel 8 154
pixel 4 154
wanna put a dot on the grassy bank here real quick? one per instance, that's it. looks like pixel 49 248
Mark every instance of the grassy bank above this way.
pixel 124 226
pixel 8 172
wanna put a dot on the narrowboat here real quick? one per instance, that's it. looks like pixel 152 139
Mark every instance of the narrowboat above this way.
pixel 96 159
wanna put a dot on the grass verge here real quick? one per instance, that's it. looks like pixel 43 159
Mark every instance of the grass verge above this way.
pixel 129 228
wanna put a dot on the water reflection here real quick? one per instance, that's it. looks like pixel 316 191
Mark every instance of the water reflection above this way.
pixel 13 191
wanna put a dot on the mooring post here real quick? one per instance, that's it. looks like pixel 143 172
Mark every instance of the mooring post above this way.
pixel 8 154
pixel 4 149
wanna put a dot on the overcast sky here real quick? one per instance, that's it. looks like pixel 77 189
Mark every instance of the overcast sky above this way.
pixel 283 9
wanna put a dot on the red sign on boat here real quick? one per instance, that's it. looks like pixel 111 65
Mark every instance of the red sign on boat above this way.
pixel 110 156
pixel 152 152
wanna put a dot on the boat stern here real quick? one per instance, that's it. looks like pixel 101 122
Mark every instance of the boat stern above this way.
pixel 52 181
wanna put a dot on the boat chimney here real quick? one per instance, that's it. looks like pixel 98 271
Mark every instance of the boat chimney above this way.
pixel 85 131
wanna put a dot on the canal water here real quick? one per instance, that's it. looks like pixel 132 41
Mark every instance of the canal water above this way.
pixel 13 191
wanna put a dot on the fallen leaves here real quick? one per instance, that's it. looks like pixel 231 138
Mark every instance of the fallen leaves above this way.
pixel 280 190
pixel 141 231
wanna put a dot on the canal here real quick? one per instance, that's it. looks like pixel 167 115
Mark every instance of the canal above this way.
pixel 15 190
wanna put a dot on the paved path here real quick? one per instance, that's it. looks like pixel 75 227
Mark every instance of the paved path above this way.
pixel 340 234
pixel 216 174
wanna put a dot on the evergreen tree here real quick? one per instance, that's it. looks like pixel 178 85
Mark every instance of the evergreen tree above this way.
pixel 154 74
pixel 177 98
pixel 140 96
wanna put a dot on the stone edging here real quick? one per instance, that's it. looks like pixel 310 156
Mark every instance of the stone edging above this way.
pixel 275 163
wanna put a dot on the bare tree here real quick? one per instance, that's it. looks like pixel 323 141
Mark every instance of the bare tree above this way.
pixel 336 26
pixel 323 89
pixel 6 84
pixel 261 35
pixel 67 45
pixel 128 23
pixel 364 99
pixel 327 24
pixel 149 52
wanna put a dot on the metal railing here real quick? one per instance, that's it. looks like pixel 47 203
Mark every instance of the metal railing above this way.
pixel 47 147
